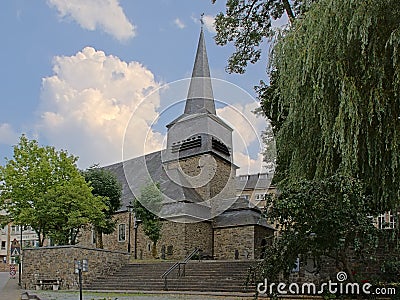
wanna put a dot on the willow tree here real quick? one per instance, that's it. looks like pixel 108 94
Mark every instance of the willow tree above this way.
pixel 334 90
pixel 339 81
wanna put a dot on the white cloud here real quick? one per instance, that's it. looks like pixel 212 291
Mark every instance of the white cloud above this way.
pixel 209 23
pixel 88 102
pixel 7 134
pixel 281 22
pixel 179 23
pixel 93 14
pixel 247 142
pixel 249 165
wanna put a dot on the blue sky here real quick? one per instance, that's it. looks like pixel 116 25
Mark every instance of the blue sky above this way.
pixel 73 71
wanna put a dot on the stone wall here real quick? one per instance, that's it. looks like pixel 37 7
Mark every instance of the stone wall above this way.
pixel 218 182
pixel 172 239
pixel 199 235
pixel 177 239
pixel 59 263
pixel 5 267
pixel 227 240
pixel 262 237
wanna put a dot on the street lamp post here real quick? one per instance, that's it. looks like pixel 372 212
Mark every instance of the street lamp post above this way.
pixel 129 207
pixel 135 226
pixel 20 256
pixel 81 266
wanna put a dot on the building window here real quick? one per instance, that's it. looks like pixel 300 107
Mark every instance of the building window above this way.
pixel 387 221
pixel 260 196
pixel 3 245
pixel 263 176
pixel 243 178
pixel 121 232
pixel 392 221
pixel 246 197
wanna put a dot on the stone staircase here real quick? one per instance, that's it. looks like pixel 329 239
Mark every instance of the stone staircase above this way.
pixel 202 276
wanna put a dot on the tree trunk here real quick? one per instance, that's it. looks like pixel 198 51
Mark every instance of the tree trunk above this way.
pixel 288 10
pixel 154 249
pixel 99 239
pixel 346 267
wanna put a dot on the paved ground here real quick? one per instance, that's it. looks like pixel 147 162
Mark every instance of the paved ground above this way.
pixel 60 295
pixel 10 290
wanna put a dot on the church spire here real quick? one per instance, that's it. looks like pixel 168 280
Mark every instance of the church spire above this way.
pixel 200 97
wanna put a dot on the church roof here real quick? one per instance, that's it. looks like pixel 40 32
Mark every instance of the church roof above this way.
pixel 135 173
pixel 241 213
pixel 200 98
pixel 234 218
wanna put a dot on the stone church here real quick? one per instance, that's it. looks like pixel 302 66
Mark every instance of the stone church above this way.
pixel 196 174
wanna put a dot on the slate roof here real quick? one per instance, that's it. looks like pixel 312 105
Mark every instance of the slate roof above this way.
pixel 200 95
pixel 137 172
pixel 200 98
pixel 241 214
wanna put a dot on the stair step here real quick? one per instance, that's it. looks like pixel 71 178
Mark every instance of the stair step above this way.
pixel 199 276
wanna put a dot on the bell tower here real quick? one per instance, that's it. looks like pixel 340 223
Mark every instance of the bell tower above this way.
pixel 199 152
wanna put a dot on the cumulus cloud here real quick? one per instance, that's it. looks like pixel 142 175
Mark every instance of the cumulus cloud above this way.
pixel 209 23
pixel 93 14
pixel 7 134
pixel 88 102
pixel 179 23
pixel 247 142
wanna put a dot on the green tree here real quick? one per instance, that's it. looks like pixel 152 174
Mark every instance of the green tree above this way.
pixel 339 81
pixel 333 96
pixel 248 24
pixel 333 99
pixel 147 210
pixel 321 218
pixel 43 188
pixel 107 186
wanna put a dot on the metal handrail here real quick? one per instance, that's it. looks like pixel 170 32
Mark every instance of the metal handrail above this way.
pixel 178 265
pixel 173 267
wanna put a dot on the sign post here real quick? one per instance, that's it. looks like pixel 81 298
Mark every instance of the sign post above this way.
pixel 15 253
pixel 81 266
pixel 12 271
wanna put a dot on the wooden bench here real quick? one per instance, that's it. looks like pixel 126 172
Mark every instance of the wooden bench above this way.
pixel 46 283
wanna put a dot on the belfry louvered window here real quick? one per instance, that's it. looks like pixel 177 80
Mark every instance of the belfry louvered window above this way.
pixel 190 143
pixel 219 146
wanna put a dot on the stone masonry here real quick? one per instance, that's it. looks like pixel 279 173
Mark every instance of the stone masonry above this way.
pixel 59 263
pixel 177 239
pixel 227 240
